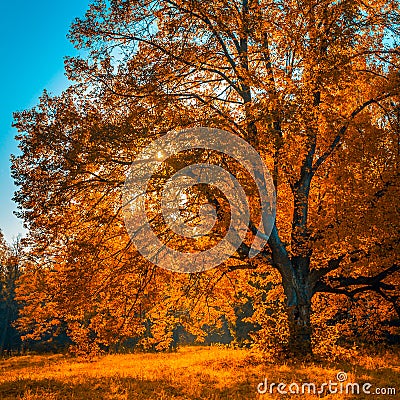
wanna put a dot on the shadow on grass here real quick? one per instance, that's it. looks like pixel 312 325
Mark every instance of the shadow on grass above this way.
pixel 121 388
pixel 20 362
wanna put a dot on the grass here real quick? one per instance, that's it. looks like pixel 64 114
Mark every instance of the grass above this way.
pixel 190 373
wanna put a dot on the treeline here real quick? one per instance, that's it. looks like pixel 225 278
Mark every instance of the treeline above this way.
pixel 15 339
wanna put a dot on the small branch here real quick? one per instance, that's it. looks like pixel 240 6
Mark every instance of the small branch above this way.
pixel 343 129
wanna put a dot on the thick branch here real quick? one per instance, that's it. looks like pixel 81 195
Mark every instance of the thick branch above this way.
pixel 342 285
pixel 317 274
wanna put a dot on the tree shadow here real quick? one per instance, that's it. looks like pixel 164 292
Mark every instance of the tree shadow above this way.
pixel 20 362
pixel 121 388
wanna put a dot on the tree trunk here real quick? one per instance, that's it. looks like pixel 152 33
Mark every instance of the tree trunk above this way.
pixel 299 293
pixel 300 329
pixel 295 275
pixel 299 307
pixel 4 332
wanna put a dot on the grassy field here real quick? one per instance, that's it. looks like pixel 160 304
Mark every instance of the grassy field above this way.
pixel 191 373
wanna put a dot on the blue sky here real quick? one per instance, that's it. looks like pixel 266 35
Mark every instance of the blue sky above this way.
pixel 32 49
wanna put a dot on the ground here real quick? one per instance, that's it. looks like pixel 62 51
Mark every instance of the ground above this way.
pixel 190 373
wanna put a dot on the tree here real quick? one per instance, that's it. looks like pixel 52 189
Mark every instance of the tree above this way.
pixel 311 85
pixel 10 271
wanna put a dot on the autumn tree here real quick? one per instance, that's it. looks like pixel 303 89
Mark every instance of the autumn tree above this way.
pixel 311 85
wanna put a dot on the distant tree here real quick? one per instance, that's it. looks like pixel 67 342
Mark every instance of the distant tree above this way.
pixel 10 271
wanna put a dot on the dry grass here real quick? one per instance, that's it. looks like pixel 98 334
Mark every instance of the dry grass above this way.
pixel 191 373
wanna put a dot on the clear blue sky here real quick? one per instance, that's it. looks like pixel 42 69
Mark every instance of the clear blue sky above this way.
pixel 33 44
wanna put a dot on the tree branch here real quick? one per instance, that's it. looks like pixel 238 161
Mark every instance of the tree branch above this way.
pixel 343 129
